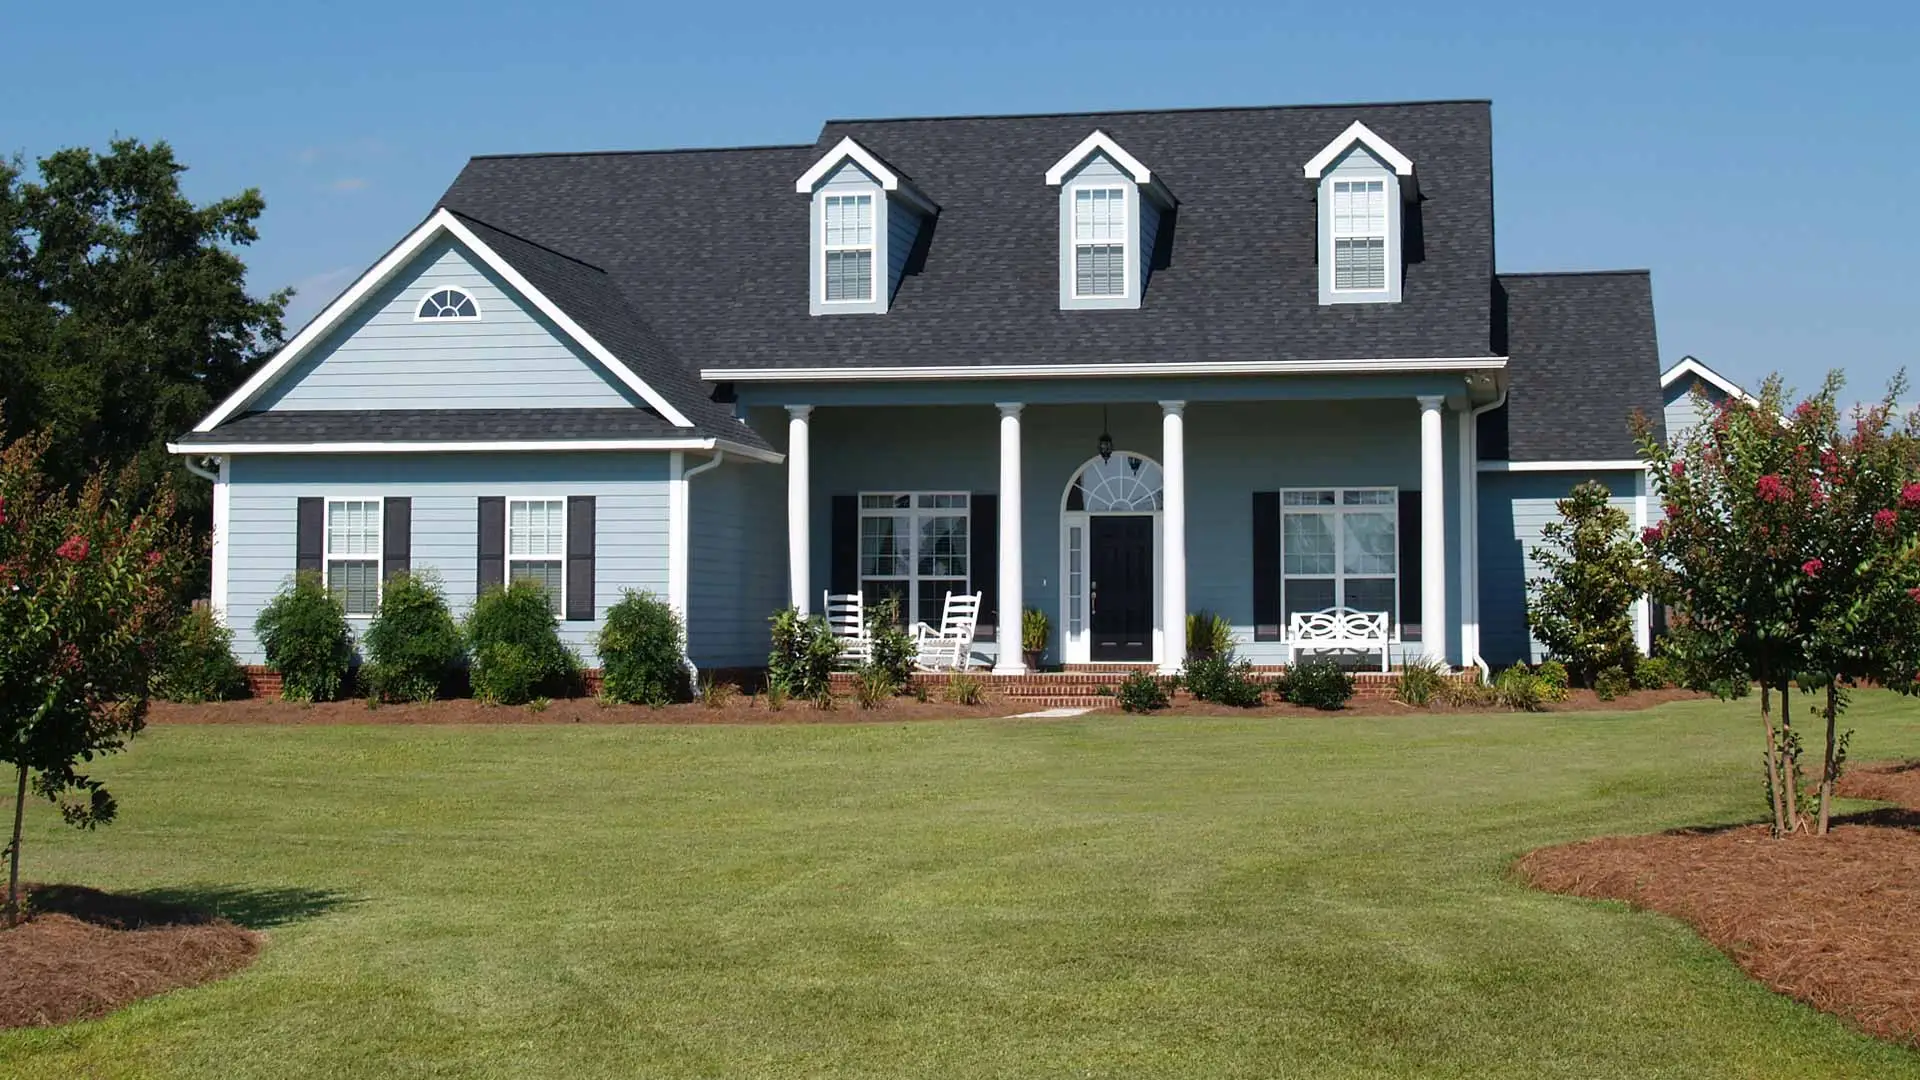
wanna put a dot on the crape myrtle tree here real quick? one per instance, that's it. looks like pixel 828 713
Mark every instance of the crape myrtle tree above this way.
pixel 86 601
pixel 1790 545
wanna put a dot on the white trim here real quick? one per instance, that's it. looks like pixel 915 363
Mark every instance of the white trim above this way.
pixel 1589 465
pixel 977 372
pixel 1642 607
pixel 1362 134
pixel 1098 142
pixel 508 558
pixel 1334 236
pixel 1078 649
pixel 871 247
pixel 799 509
pixel 1690 366
pixel 1339 576
pixel 912 512
pixel 223 538
pixel 442 220
pixel 842 150
pixel 679 531
pixel 378 558
pixel 421 306
pixel 508 446
pixel 1075 243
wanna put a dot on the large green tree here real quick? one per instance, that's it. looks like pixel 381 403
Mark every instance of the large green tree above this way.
pixel 124 310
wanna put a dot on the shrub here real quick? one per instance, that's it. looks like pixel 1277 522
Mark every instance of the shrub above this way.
pixel 517 653
pixel 1611 683
pixel 890 649
pixel 1319 684
pixel 776 695
pixel 964 689
pixel 1420 682
pixel 1654 673
pixel 1140 692
pixel 715 694
pixel 304 632
pixel 1553 677
pixel 1521 690
pixel 414 649
pixel 872 686
pixel 1208 635
pixel 1581 609
pixel 1468 694
pixel 1034 631
pixel 642 650
pixel 1224 681
pixel 803 654
pixel 197 664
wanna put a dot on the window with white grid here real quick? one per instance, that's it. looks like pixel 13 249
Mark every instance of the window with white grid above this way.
pixel 914 548
pixel 537 546
pixel 1359 235
pixel 1099 241
pixel 353 554
pixel 846 235
pixel 1340 547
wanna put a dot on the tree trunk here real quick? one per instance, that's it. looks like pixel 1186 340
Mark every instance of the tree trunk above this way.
pixel 1790 758
pixel 13 850
pixel 1827 777
pixel 1773 758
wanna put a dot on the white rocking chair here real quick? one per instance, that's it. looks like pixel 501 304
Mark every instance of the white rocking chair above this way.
pixel 949 648
pixel 847 617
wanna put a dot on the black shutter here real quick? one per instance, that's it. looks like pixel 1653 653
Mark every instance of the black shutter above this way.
pixel 491 570
pixel 396 538
pixel 843 569
pixel 983 558
pixel 1267 603
pixel 580 521
pixel 1409 565
pixel 309 534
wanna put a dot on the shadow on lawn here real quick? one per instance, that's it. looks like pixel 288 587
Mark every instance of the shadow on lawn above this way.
pixel 1885 817
pixel 256 908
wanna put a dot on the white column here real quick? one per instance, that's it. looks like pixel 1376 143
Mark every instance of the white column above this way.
pixel 1173 533
pixel 1469 542
pixel 222 538
pixel 1643 607
pixel 1433 530
pixel 799 523
pixel 1009 659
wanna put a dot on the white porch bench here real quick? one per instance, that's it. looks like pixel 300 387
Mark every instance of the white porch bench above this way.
pixel 1339 629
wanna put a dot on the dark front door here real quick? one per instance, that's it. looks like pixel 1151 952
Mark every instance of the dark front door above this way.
pixel 1120 584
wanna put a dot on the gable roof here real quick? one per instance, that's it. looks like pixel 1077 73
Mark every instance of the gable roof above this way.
pixel 1689 366
pixel 1362 135
pixel 1235 280
pixel 1582 360
pixel 888 177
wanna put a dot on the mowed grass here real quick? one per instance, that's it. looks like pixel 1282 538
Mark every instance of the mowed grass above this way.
pixel 1102 897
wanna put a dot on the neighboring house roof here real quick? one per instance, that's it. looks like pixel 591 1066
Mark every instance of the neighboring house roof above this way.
pixel 463 428
pixel 1583 360
pixel 1689 366
pixel 711 246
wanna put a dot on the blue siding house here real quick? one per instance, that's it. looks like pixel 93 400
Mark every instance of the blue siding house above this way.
pixel 1118 367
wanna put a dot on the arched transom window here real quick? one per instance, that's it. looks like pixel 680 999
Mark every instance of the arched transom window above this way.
pixel 1120 484
pixel 448 304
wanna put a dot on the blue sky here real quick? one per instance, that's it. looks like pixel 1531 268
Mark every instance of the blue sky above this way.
pixel 1759 157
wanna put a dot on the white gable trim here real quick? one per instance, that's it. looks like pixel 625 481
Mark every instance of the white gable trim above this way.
pixel 1362 134
pixel 458 447
pixel 842 150
pixel 1098 143
pixel 442 221
pixel 1689 366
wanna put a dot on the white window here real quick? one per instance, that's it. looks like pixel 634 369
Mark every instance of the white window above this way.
pixel 914 548
pixel 537 546
pixel 353 553
pixel 448 304
pixel 1340 547
pixel 1359 235
pixel 846 235
pixel 1099 242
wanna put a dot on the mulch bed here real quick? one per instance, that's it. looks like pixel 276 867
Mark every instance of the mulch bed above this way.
pixel 1833 921
pixel 1577 701
pixel 84 953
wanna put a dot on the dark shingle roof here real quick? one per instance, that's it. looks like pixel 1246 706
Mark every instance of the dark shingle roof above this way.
pixel 1584 359
pixel 711 246
pixel 434 425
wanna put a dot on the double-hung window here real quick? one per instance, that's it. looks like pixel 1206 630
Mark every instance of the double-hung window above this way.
pixel 914 548
pixel 1359 235
pixel 1340 547
pixel 846 235
pixel 537 546
pixel 353 553
pixel 1099 241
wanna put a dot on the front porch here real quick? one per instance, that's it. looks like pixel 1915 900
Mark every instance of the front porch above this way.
pixel 1252 499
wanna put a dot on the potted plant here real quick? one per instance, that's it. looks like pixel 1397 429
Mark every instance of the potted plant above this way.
pixel 1033 636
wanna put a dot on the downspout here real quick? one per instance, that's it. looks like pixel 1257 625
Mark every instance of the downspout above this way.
pixel 201 470
pixel 1470 513
pixel 222 513
pixel 684 526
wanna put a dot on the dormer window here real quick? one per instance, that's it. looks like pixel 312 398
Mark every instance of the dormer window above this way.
pixel 1111 207
pixel 1363 184
pixel 846 240
pixel 448 304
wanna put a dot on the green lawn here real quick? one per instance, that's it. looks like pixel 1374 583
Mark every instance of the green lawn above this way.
pixel 1090 898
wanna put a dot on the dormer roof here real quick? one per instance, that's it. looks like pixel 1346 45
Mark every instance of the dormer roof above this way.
pixel 1100 143
pixel 1361 135
pixel 890 179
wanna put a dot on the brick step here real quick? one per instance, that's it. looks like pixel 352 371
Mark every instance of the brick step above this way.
pixel 1035 704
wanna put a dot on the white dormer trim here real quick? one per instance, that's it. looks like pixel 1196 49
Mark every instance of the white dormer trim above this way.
pixel 848 150
pixel 1690 366
pixel 443 221
pixel 1360 133
pixel 1099 143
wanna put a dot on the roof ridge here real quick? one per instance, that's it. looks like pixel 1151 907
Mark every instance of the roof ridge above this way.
pixel 753 148
pixel 1629 272
pixel 1181 110
pixel 464 216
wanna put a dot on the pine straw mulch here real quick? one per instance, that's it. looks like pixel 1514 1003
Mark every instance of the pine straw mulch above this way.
pixel 1833 922
pixel 84 953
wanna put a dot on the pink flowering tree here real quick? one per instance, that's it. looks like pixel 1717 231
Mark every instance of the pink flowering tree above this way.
pixel 88 588
pixel 1789 554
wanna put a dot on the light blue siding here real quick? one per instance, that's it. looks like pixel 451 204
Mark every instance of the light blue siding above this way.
pixel 737 574
pixel 850 179
pixel 1149 236
pixel 1683 407
pixel 1100 170
pixel 1513 507
pixel 1359 164
pixel 381 357
pixel 903 228
pixel 631 526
